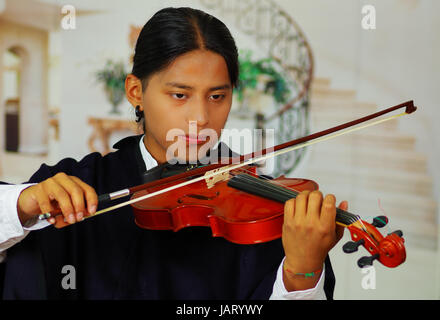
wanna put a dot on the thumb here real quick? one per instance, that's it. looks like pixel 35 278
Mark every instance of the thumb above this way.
pixel 340 229
pixel 343 205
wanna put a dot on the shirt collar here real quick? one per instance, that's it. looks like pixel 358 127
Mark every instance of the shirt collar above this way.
pixel 149 161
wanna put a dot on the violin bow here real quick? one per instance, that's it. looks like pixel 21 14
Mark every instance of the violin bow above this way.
pixel 220 171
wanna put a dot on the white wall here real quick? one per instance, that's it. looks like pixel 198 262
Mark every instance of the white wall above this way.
pixel 396 62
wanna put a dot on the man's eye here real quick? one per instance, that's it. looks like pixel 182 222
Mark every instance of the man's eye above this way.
pixel 178 96
pixel 217 97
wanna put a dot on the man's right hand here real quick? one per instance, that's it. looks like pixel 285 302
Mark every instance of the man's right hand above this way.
pixel 67 198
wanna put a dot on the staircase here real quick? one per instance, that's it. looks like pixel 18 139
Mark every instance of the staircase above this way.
pixel 377 169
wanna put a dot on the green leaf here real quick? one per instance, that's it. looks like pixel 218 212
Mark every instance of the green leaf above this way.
pixel 250 70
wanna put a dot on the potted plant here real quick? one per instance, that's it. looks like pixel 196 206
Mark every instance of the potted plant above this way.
pixel 257 79
pixel 112 76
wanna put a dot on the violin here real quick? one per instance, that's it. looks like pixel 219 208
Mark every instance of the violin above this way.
pixel 245 208
pixel 248 209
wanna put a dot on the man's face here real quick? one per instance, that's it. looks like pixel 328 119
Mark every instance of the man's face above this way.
pixel 192 94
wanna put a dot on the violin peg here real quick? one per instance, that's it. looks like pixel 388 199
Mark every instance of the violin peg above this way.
pixel 398 232
pixel 352 246
pixel 367 261
pixel 380 221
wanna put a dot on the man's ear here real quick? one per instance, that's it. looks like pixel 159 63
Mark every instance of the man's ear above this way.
pixel 133 90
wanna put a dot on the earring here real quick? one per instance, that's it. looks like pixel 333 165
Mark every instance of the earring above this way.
pixel 139 113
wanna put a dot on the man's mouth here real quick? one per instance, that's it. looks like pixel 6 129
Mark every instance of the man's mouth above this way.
pixel 191 139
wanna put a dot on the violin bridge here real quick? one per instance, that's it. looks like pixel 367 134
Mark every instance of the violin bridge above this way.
pixel 214 177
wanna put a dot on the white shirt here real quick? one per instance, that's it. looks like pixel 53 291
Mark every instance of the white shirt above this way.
pixel 12 232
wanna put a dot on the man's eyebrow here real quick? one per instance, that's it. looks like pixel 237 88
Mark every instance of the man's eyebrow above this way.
pixel 225 86
pixel 178 85
pixel 184 86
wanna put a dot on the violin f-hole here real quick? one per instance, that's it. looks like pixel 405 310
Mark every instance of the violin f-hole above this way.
pixel 181 200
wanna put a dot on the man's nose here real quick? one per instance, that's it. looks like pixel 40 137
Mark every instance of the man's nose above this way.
pixel 198 113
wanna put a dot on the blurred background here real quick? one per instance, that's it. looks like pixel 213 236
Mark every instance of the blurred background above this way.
pixel 306 65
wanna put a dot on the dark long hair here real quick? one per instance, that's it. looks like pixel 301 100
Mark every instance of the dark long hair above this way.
pixel 172 32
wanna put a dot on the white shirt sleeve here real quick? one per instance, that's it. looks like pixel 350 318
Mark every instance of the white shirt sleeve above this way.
pixel 11 230
pixel 280 293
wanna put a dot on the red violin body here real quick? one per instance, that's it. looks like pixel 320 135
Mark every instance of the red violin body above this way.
pixel 237 216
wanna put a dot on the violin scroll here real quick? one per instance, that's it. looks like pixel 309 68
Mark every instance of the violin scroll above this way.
pixel 392 250
pixel 388 250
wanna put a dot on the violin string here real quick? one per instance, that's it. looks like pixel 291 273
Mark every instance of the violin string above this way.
pixel 346 215
pixel 247 162
pixel 362 225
